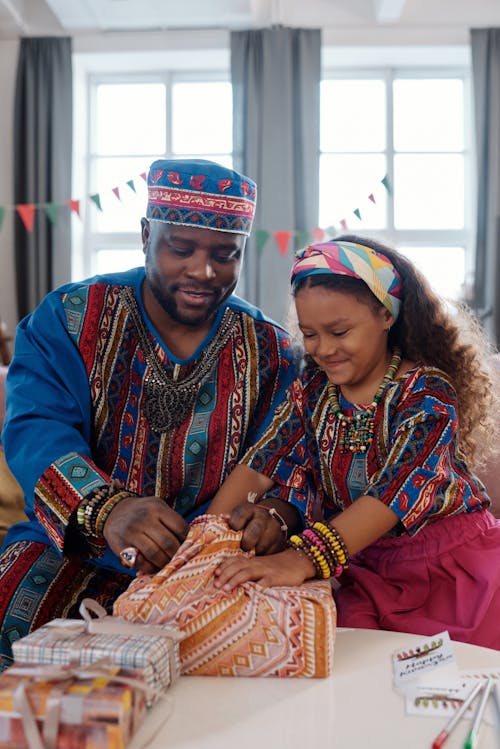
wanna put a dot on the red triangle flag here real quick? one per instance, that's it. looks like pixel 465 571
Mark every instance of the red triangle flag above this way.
pixel 27 214
pixel 371 197
pixel 343 224
pixel 116 191
pixel 74 206
pixel 282 240
pixel 318 234
pixel 144 176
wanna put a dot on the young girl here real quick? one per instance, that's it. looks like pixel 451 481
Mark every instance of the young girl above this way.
pixel 374 445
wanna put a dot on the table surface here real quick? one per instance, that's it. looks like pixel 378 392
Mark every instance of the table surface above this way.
pixel 356 707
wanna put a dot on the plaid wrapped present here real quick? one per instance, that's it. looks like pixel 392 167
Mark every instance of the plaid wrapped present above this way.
pixel 54 707
pixel 147 653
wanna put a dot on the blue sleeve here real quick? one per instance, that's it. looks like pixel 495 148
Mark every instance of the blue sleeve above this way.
pixel 48 418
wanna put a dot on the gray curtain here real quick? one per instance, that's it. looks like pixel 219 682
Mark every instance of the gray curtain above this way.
pixel 42 166
pixel 485 44
pixel 276 76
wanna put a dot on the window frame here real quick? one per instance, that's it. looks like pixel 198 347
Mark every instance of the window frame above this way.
pixel 418 237
pixel 87 240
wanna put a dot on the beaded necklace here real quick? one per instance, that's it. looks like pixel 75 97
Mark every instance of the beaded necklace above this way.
pixel 357 430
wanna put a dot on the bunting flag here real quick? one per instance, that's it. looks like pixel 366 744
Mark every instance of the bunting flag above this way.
pixel 52 209
pixel 386 184
pixel 74 206
pixel 301 238
pixel 318 234
pixel 282 240
pixel 261 237
pixel 27 213
pixel 97 200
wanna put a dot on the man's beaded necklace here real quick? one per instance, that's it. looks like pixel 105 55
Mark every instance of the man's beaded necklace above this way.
pixel 356 433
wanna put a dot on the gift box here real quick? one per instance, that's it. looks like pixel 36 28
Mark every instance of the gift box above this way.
pixel 147 653
pixel 53 707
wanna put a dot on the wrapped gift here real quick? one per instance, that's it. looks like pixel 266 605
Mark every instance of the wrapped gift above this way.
pixel 285 631
pixel 147 653
pixel 54 707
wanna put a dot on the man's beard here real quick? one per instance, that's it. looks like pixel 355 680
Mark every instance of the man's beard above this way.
pixel 168 304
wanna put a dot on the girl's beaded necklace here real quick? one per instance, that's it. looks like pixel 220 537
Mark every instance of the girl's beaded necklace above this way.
pixel 356 434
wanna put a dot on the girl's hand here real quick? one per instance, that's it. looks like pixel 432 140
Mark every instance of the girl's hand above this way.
pixel 289 567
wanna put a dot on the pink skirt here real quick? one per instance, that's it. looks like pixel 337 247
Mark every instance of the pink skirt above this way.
pixel 447 577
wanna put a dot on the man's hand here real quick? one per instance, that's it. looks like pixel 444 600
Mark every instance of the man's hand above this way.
pixel 149 525
pixel 262 530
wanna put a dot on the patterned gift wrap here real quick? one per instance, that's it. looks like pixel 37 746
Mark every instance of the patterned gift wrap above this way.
pixel 250 631
pixel 153 659
pixel 90 713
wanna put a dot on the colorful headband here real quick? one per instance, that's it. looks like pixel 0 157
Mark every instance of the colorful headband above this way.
pixel 196 192
pixel 356 261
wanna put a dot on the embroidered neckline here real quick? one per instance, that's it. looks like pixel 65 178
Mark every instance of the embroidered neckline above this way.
pixel 167 402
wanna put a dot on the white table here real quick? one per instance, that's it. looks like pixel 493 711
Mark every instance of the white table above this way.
pixel 355 708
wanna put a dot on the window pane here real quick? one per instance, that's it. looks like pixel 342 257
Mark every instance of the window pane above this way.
pixel 130 118
pixel 125 214
pixel 428 115
pixel 202 118
pixel 114 261
pixel 444 268
pixel 346 181
pixel 352 115
pixel 429 191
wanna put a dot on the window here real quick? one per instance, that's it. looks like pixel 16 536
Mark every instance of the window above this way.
pixel 395 165
pixel 135 119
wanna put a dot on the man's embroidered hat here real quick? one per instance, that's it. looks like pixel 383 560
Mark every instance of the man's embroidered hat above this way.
pixel 196 192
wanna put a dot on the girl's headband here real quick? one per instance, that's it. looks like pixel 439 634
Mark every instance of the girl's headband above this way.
pixel 357 261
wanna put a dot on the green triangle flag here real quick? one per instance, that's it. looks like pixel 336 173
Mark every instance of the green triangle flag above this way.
pixel 261 237
pixel 2 215
pixel 357 213
pixel 130 183
pixel 386 184
pixel 51 210
pixel 97 200
pixel 331 230
pixel 301 238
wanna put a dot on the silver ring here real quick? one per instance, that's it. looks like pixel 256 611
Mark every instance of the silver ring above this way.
pixel 128 556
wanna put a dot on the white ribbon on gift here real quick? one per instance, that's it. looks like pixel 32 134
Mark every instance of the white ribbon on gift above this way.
pixel 64 676
pixel 102 623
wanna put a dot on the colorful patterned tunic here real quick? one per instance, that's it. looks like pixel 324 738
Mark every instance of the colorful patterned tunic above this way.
pixel 413 465
pixel 93 394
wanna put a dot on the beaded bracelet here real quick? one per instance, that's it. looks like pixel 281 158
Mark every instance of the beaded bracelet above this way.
pixel 325 547
pixel 105 510
pixel 334 541
pixel 279 518
pixel 95 508
pixel 299 543
pixel 316 539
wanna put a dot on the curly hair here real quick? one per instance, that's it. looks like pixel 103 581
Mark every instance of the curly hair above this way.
pixel 430 333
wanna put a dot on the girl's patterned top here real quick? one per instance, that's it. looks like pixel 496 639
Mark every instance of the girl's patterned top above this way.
pixel 78 390
pixel 413 465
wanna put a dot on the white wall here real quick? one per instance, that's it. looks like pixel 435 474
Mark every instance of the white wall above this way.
pixel 8 64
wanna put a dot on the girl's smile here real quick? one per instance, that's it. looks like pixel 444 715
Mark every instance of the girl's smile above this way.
pixel 346 337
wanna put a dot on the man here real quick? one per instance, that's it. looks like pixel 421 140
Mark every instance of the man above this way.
pixel 131 397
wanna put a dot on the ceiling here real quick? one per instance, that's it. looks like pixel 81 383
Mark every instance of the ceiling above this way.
pixel 76 17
